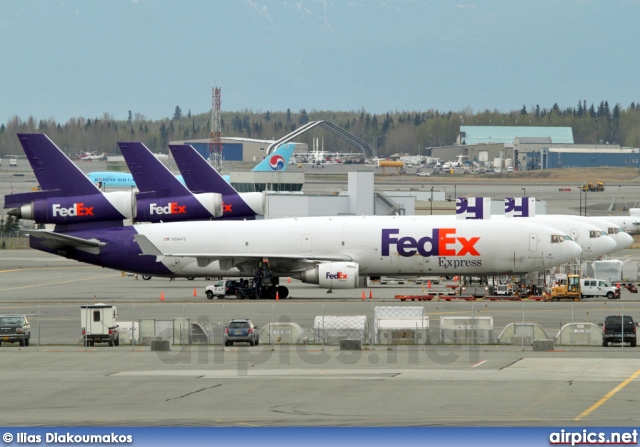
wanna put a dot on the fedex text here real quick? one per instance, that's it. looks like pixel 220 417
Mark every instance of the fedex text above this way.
pixel 77 209
pixel 338 275
pixel 171 208
pixel 442 242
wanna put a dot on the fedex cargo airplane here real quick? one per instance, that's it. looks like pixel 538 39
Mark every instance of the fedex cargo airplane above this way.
pixel 593 241
pixel 158 188
pixel 276 161
pixel 332 252
pixel 201 177
pixel 525 207
pixel 70 198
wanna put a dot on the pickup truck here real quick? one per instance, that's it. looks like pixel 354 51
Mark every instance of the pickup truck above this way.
pixel 223 288
pixel 618 329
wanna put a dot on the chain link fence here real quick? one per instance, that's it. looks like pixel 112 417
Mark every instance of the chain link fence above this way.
pixel 14 240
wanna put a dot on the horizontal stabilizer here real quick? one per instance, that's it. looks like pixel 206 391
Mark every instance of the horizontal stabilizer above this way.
pixel 59 241
pixel 24 198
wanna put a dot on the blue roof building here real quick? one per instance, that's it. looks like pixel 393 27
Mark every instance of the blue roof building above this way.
pixel 507 134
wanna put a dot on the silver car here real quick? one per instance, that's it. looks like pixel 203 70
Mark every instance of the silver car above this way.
pixel 241 330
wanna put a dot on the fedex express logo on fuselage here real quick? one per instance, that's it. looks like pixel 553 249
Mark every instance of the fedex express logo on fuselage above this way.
pixel 442 242
pixel 77 209
pixel 171 208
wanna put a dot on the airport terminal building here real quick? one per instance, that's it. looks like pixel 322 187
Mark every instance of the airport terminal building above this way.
pixel 530 148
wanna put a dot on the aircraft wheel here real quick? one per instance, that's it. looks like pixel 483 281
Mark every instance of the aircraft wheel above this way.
pixel 146 277
pixel 283 292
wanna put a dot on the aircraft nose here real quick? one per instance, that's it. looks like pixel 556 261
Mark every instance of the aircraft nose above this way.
pixel 573 251
pixel 624 240
pixel 603 245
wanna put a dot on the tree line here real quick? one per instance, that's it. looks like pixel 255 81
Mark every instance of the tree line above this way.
pixel 391 132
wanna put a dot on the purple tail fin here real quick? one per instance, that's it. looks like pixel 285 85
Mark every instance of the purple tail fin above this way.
pixel 162 196
pixel 200 177
pixel 197 173
pixel 149 173
pixel 52 167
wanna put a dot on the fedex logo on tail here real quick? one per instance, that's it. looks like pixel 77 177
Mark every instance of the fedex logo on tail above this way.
pixel 473 208
pixel 77 209
pixel 171 208
pixel 441 242
pixel 338 275
pixel 520 206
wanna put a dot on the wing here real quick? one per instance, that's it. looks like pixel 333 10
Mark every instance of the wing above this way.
pixel 58 241
pixel 293 261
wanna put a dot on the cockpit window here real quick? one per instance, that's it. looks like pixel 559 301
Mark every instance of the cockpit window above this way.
pixel 613 230
pixel 594 234
pixel 557 238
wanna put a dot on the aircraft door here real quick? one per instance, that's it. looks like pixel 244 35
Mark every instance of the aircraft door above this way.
pixel 575 236
pixel 533 242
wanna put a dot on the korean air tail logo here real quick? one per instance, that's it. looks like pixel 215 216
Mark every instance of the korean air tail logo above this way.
pixel 442 242
pixel 77 209
pixel 276 163
pixel 171 208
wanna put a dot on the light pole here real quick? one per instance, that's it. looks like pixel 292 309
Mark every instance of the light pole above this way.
pixel 431 200
pixel 585 203
pixel 375 144
pixel 580 191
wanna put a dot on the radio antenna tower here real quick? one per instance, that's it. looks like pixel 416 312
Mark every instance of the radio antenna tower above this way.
pixel 215 136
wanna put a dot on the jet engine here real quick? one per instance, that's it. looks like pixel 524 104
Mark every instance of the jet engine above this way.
pixel 332 275
pixel 116 205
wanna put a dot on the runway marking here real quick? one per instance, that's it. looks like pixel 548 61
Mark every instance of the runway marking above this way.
pixel 608 396
pixel 60 282
pixel 478 364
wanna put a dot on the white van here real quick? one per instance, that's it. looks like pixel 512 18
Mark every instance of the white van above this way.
pixel 597 287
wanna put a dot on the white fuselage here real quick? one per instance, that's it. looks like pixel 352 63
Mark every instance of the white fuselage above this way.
pixel 389 245
pixel 592 239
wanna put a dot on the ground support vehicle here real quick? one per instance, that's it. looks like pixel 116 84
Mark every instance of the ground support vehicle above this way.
pixel 565 289
pixel 99 325
pixel 263 286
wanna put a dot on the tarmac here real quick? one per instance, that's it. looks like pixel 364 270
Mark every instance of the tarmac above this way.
pixel 58 382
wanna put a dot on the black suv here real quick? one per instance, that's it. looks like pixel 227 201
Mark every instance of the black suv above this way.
pixel 15 329
pixel 618 329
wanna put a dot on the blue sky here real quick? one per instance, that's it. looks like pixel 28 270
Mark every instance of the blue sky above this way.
pixel 71 58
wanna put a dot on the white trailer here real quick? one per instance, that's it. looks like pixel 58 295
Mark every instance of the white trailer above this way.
pixel 99 325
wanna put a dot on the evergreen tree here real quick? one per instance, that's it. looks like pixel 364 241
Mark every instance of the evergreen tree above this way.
pixel 177 115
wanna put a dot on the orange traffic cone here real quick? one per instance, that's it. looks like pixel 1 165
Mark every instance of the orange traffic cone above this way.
pixel 277 296
pixel 161 296
pixel 370 294
pixel 289 279
pixel 194 292
pixel 429 284
pixel 363 295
